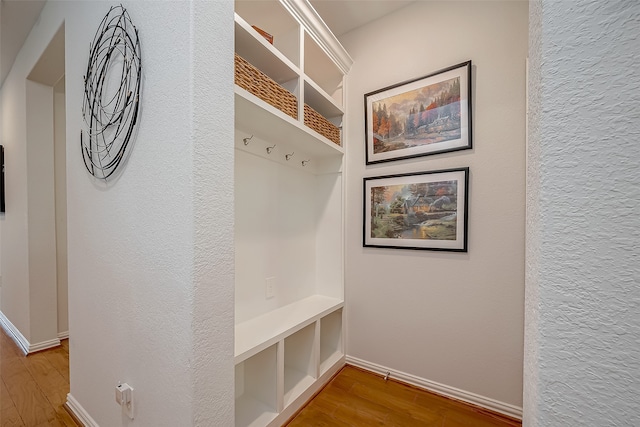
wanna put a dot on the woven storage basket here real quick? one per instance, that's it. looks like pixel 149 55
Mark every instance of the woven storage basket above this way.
pixel 321 125
pixel 255 81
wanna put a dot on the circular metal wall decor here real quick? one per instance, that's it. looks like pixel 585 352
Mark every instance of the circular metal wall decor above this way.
pixel 111 93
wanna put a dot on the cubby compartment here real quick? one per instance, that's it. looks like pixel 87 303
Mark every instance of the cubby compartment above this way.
pixel 256 389
pixel 272 18
pixel 331 349
pixel 322 70
pixel 299 362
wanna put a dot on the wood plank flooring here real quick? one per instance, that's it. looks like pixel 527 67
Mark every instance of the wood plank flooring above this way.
pixel 356 398
pixel 33 388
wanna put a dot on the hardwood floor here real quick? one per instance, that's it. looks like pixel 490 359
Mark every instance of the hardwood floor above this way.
pixel 33 388
pixel 355 398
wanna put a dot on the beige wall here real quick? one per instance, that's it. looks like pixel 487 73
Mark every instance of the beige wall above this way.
pixel 451 318
pixel 60 172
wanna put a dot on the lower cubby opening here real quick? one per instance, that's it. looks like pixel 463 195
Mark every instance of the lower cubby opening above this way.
pixel 299 363
pixel 330 340
pixel 256 389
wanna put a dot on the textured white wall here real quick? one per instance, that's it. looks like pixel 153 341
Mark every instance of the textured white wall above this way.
pixel 150 253
pixel 584 196
pixel 453 318
pixel 212 117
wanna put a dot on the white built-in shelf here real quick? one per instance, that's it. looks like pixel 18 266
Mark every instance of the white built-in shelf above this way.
pixel 258 118
pixel 320 68
pixel 258 333
pixel 295 383
pixel 251 46
pixel 289 214
pixel 320 101
pixel 256 388
pixel 273 18
pixel 319 85
pixel 331 350
pixel 251 412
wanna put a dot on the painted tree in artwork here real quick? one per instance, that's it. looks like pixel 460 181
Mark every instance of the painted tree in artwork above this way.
pixel 375 118
pixel 378 196
pixel 410 126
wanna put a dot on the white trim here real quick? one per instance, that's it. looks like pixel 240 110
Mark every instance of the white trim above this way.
pixel 320 32
pixel 63 335
pixel 14 333
pixel 442 389
pixel 21 341
pixel 44 345
pixel 79 412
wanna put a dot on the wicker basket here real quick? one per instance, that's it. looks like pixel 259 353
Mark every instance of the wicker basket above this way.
pixel 321 125
pixel 255 81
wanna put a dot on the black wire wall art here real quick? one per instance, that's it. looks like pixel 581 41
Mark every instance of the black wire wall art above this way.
pixel 111 94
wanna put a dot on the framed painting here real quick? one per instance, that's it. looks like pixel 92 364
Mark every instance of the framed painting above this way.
pixel 2 207
pixel 424 210
pixel 428 115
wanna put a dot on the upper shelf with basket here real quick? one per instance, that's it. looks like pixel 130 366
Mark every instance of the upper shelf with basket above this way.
pixel 283 44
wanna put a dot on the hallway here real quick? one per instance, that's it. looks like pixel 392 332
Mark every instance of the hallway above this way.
pixel 33 389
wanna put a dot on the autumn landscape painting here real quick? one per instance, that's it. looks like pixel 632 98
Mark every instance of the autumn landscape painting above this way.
pixel 418 118
pixel 424 116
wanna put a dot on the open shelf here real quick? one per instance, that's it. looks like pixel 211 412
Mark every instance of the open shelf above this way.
pixel 259 333
pixel 319 100
pixel 299 362
pixel 330 340
pixel 256 117
pixel 257 51
pixel 271 17
pixel 256 389
pixel 322 70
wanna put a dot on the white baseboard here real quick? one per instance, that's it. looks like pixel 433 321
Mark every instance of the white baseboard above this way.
pixel 445 390
pixel 44 345
pixel 14 333
pixel 63 335
pixel 79 412
pixel 22 342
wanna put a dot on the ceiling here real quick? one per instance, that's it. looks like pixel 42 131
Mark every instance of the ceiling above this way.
pixel 17 17
pixel 343 16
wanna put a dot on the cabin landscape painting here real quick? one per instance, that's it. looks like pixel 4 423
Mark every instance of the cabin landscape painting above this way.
pixel 417 211
pixel 425 116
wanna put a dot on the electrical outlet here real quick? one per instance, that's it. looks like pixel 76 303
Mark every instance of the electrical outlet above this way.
pixel 124 398
pixel 270 287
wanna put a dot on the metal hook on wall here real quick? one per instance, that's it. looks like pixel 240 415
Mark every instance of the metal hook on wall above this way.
pixel 305 162
pixel 289 156
pixel 270 149
pixel 246 140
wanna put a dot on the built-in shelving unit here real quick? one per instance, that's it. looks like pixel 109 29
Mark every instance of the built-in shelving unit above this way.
pixel 289 214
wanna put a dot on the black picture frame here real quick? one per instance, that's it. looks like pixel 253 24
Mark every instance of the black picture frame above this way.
pixel 2 206
pixel 422 210
pixel 420 117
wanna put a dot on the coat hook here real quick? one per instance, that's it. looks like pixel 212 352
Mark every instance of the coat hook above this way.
pixel 289 156
pixel 304 162
pixel 246 140
pixel 270 149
